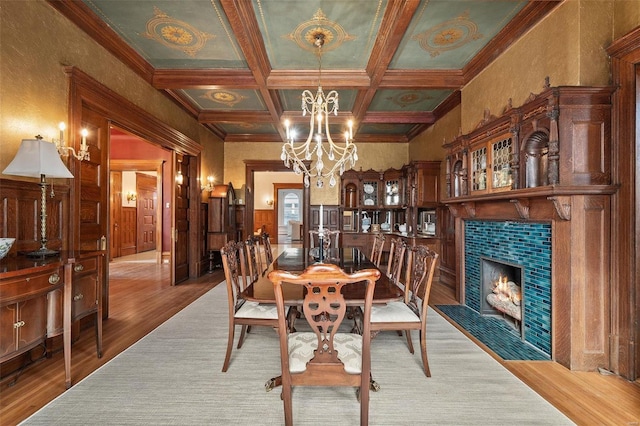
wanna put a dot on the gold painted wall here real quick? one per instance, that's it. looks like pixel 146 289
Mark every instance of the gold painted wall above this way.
pixel 428 145
pixel 626 15
pixel 377 156
pixel 568 46
pixel 36 42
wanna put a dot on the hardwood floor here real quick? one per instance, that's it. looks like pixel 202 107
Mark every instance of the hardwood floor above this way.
pixel 141 299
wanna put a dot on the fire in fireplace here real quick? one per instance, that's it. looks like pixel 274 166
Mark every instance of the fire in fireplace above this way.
pixel 502 291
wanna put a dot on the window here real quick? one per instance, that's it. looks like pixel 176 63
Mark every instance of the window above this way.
pixel 291 207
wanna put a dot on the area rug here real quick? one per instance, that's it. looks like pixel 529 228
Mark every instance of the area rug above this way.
pixel 494 332
pixel 173 377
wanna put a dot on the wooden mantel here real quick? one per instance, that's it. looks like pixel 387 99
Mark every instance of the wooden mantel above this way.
pixel 548 161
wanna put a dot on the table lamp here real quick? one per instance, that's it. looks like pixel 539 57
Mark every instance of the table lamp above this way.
pixel 39 158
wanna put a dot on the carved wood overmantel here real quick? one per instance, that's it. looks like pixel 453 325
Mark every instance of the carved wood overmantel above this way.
pixel 548 161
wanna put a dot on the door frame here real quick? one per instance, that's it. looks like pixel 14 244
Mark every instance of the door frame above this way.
pixel 252 166
pixel 85 92
pixel 142 166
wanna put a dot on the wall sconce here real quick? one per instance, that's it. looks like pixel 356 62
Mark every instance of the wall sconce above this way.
pixel 269 202
pixel 209 186
pixel 40 159
pixel 83 154
pixel 179 178
pixel 131 196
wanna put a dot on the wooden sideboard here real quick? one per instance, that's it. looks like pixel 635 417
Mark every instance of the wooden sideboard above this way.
pixel 41 298
pixel 34 299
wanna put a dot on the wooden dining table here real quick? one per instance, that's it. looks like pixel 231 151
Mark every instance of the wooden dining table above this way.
pixel 296 260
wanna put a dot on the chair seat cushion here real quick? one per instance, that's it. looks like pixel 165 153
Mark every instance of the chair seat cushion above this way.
pixel 393 312
pixel 257 310
pixel 302 345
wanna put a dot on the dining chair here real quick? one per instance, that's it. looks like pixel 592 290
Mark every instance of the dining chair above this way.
pixel 376 250
pixel 241 312
pixel 268 252
pixel 395 263
pixel 410 313
pixel 330 239
pixel 325 356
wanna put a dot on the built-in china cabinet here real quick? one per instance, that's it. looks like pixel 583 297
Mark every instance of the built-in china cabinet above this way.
pixel 400 203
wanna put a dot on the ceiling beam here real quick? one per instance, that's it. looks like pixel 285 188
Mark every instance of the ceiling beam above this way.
pixel 204 79
pixel 400 117
pixel 422 79
pixel 396 19
pixel 305 79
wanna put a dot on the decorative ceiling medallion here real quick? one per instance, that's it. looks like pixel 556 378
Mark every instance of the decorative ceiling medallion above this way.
pixel 176 34
pixel 227 98
pixel 305 33
pixel 408 98
pixel 448 35
pixel 247 126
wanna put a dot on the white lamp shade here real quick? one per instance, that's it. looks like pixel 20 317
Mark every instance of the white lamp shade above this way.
pixel 37 157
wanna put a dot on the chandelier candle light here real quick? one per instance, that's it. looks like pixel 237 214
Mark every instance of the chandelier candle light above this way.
pixel 319 107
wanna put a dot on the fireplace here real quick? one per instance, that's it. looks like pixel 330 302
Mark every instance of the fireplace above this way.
pixel 501 291
pixel 522 251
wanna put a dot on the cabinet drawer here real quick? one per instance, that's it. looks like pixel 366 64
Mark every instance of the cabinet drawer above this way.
pixel 21 288
pixel 86 266
pixel 84 299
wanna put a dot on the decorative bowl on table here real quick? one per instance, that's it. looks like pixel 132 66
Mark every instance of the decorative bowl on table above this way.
pixel 5 246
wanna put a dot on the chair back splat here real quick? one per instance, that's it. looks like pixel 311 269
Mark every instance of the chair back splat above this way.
pixel 325 356
pixel 330 239
pixel 376 250
pixel 396 259
pixel 268 252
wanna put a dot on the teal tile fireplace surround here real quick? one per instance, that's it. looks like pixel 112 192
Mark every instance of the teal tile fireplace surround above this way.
pixel 524 243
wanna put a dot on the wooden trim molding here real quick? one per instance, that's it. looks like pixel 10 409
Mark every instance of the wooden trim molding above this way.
pixel 625 274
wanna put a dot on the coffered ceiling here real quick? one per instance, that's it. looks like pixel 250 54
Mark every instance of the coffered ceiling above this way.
pixel 240 66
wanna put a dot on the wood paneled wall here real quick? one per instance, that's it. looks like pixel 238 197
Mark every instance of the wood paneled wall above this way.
pixel 20 214
pixel 266 218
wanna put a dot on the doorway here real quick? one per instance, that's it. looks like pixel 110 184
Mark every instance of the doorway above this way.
pixel 254 167
pixel 288 200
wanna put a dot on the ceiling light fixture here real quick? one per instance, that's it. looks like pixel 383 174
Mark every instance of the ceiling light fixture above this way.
pixel 319 107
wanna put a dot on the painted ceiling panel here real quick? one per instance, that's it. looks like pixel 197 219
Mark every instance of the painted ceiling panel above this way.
pixel 226 99
pixel 236 64
pixel 174 34
pixel 349 27
pixel 408 100
pixel 446 34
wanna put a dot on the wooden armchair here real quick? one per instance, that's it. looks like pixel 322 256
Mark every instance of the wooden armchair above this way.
pixel 241 312
pixel 324 356
pixel 411 313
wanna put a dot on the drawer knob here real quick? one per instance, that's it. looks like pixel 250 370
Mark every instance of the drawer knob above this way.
pixel 78 267
pixel 18 324
pixel 78 297
pixel 54 279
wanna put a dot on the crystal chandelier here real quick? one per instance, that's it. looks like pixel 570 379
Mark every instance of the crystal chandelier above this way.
pixel 339 157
